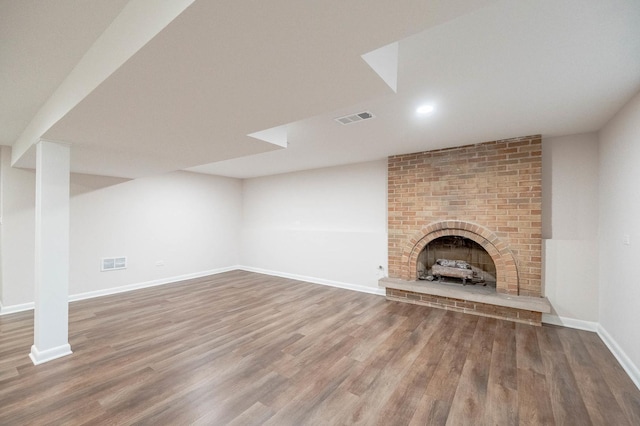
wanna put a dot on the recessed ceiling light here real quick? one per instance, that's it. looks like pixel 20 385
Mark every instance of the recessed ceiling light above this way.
pixel 425 109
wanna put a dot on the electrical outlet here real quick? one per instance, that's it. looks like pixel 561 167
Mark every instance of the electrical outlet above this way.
pixel 159 262
pixel 626 239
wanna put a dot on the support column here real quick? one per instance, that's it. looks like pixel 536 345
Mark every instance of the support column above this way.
pixel 51 316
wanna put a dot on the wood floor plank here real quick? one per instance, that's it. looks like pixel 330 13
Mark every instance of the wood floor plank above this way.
pixel 534 404
pixel 502 386
pixel 255 415
pixel 618 381
pixel 470 399
pixel 431 411
pixel 313 395
pixel 374 402
pixel 243 348
pixel 598 398
pixel 568 406
pixel 445 379
pixel 406 396
pixel 528 355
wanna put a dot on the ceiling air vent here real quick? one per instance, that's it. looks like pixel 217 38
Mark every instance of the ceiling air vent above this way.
pixel 352 118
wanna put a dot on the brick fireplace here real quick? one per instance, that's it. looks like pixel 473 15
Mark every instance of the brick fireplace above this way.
pixel 489 193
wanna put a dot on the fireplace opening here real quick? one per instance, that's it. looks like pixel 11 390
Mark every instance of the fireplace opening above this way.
pixel 456 260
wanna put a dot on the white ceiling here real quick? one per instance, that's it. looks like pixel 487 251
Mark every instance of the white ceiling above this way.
pixel 40 43
pixel 222 70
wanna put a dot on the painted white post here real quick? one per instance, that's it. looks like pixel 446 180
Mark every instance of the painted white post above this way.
pixel 51 316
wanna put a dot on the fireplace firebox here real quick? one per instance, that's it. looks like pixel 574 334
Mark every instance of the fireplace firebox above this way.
pixel 456 259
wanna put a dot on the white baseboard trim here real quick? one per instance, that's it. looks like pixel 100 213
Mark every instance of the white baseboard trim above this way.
pixel 40 357
pixel 12 309
pixel 5 310
pixel 570 322
pixel 147 284
pixel 314 280
pixel 631 369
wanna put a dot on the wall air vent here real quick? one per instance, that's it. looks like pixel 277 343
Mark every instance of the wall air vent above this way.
pixel 113 263
pixel 353 118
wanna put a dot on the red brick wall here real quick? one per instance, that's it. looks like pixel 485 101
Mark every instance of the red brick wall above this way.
pixel 496 185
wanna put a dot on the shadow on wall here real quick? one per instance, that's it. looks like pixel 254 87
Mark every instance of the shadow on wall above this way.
pixel 81 183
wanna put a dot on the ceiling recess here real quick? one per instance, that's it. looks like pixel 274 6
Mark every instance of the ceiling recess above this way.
pixel 354 118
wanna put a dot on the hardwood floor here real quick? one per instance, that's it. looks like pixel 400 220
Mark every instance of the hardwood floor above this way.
pixel 241 348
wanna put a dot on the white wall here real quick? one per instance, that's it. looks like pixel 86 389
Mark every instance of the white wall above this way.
pixel 1 180
pixel 18 232
pixel 620 216
pixel 574 185
pixel 189 221
pixel 327 225
pixel 570 228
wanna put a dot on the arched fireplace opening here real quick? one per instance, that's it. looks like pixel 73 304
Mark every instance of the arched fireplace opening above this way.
pixel 456 260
